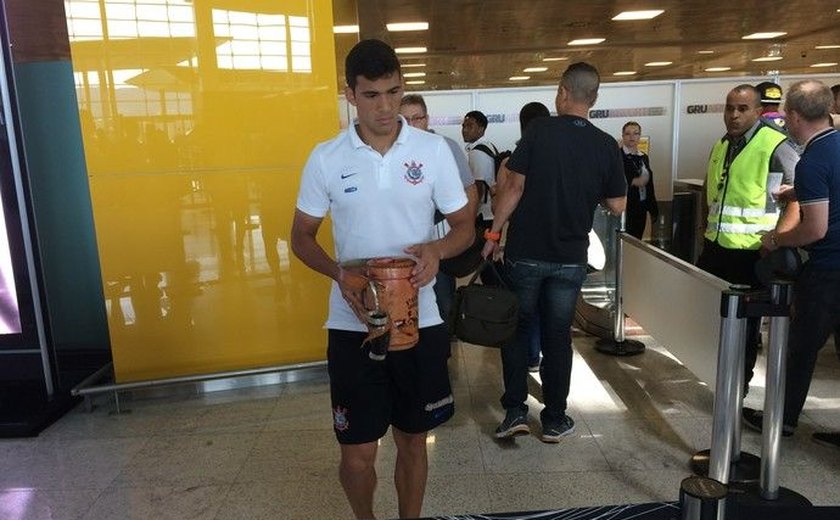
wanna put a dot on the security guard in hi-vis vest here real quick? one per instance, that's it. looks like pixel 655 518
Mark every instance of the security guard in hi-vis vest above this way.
pixel 745 167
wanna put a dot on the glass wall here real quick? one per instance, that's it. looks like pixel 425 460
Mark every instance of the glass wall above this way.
pixel 197 119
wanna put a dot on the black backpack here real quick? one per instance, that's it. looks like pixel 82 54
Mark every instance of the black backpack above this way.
pixel 498 158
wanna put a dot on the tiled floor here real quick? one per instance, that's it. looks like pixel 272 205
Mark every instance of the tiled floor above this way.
pixel 269 452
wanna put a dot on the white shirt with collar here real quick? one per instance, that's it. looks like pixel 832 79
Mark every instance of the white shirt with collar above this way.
pixel 380 205
pixel 483 169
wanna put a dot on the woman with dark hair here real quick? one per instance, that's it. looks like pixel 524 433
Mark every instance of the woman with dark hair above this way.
pixel 641 198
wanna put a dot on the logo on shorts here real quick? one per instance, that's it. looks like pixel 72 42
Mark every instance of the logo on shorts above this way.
pixel 439 404
pixel 340 419
pixel 414 172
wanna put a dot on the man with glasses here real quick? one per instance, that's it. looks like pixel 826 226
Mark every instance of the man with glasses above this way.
pixel 739 206
pixel 413 109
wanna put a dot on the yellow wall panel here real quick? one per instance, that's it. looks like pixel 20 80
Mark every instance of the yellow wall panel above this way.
pixel 197 118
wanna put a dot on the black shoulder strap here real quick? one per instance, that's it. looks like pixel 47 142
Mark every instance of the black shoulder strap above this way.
pixel 486 149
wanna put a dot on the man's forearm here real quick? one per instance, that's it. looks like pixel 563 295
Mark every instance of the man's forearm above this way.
pixel 456 241
pixel 310 252
pixel 789 218
pixel 508 199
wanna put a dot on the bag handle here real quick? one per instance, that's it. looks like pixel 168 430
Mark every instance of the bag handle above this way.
pixel 484 263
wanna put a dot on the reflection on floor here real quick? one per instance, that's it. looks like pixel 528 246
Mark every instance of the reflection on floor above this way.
pixel 269 452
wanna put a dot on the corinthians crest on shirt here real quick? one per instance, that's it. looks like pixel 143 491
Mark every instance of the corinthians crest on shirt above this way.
pixel 413 172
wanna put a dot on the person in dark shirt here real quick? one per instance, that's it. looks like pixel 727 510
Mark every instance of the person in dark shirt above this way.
pixel 561 169
pixel 641 196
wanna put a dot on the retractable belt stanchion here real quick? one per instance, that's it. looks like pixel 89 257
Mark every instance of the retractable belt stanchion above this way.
pixel 751 497
pixel 619 345
pixel 725 461
pixel 774 394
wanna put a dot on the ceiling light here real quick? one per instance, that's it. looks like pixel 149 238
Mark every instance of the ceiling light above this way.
pixel 408 26
pixel 535 69
pixel 658 63
pixel 763 35
pixel 345 29
pixel 827 64
pixel 768 58
pixel 415 82
pixel 718 69
pixel 587 41
pixel 555 59
pixel 827 47
pixel 705 52
pixel 414 75
pixel 411 65
pixel 624 73
pixel 519 78
pixel 410 50
pixel 638 15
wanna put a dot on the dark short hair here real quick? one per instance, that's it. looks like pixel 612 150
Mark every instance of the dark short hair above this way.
pixel 810 99
pixel 414 99
pixel 478 117
pixel 531 111
pixel 631 123
pixel 581 80
pixel 746 87
pixel 835 89
pixel 372 59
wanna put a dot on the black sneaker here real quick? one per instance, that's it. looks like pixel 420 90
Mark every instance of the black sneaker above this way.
pixel 552 432
pixel 754 420
pixel 830 439
pixel 515 423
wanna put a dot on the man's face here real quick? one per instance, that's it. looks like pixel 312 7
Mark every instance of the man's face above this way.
pixel 741 112
pixel 836 108
pixel 415 116
pixel 793 124
pixel 471 131
pixel 377 103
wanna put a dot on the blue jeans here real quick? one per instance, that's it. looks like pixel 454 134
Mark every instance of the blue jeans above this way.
pixel 534 342
pixel 547 291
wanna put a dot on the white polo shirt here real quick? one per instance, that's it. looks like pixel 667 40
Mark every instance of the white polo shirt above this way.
pixel 380 205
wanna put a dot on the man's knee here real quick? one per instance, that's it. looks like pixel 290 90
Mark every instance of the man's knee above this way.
pixel 358 458
pixel 413 444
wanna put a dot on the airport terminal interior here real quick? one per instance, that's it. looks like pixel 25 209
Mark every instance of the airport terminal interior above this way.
pixel 268 452
pixel 162 350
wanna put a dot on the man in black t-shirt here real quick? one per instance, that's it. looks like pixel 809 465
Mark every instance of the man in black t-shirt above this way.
pixel 561 169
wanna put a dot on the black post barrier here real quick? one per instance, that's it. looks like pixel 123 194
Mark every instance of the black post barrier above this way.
pixel 725 462
pixel 619 345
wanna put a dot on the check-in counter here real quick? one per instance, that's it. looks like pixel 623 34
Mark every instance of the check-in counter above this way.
pixel 687 216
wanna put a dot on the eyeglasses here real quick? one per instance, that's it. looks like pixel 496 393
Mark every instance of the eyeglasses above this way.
pixel 414 119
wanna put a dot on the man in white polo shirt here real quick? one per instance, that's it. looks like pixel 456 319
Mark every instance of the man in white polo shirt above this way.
pixel 381 181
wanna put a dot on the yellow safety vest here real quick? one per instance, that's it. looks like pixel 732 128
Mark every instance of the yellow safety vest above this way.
pixel 737 206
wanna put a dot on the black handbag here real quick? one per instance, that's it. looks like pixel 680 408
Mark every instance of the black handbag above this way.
pixel 484 315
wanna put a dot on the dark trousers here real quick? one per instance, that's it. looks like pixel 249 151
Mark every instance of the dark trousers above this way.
pixel 736 266
pixel 636 221
pixel 816 314
pixel 550 291
pixel 445 295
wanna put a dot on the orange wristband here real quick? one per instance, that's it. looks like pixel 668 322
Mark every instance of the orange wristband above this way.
pixel 489 235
